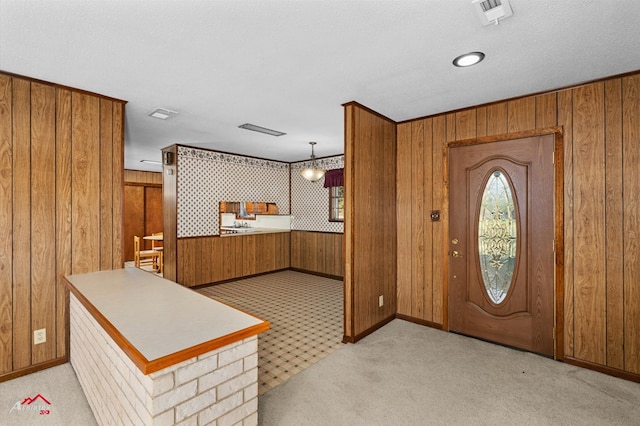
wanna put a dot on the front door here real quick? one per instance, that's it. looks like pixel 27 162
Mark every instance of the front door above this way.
pixel 501 242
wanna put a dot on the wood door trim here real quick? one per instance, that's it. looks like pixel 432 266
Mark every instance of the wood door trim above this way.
pixel 154 185
pixel 557 131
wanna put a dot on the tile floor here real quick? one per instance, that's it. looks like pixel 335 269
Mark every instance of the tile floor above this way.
pixel 305 313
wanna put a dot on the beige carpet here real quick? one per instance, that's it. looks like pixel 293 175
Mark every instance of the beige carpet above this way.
pixel 403 374
pixel 57 400
pixel 406 374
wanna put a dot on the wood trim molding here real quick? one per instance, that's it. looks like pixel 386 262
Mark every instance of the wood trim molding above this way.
pixel 445 237
pixel 419 321
pixel 559 242
pixel 318 274
pixel 230 280
pixel 154 185
pixel 347 243
pixel 34 368
pixel 369 110
pixel 147 366
pixel 368 331
pixel 602 369
pixel 557 130
pixel 319 232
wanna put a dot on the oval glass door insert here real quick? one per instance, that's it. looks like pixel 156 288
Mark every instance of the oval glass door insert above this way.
pixel 497 236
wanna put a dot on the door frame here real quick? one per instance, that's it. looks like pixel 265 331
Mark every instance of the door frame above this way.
pixel 558 160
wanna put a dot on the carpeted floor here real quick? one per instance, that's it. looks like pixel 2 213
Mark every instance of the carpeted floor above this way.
pixel 407 374
pixel 58 400
pixel 403 374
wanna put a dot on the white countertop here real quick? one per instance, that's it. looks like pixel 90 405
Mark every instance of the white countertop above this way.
pixel 157 316
pixel 250 231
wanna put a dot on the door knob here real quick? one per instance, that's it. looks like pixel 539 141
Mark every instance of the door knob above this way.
pixel 455 253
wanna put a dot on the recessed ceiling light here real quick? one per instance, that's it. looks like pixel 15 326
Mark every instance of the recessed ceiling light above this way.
pixel 261 129
pixel 162 113
pixel 468 59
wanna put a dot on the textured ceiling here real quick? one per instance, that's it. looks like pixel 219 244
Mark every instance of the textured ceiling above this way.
pixel 290 65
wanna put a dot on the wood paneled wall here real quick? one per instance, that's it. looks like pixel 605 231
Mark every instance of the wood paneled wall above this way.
pixel 420 164
pixel 601 132
pixel 143 201
pixel 142 177
pixel 61 171
pixel 317 252
pixel 370 220
pixel 142 215
pixel 204 260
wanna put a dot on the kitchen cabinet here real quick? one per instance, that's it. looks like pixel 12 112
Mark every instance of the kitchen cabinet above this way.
pixel 205 260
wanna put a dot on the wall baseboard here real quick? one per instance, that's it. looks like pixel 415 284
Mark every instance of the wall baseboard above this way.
pixel 354 339
pixel 33 369
pixel 419 321
pixel 230 280
pixel 319 274
pixel 602 369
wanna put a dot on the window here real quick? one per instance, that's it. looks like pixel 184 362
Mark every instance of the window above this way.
pixel 336 204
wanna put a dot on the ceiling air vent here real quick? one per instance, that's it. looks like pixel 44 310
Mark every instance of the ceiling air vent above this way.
pixel 162 113
pixel 492 11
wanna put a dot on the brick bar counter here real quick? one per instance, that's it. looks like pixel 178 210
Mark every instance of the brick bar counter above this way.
pixel 148 351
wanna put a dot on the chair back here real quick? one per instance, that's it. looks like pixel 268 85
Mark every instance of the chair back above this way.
pixel 154 243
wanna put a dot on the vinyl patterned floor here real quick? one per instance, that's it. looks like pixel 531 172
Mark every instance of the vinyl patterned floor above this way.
pixel 305 313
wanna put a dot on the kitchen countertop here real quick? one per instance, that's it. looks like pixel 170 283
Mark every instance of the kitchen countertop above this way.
pixel 164 322
pixel 249 231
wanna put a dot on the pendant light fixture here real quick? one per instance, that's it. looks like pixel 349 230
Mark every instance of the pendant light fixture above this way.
pixel 312 173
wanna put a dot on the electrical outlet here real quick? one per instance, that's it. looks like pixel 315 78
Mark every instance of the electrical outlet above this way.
pixel 380 301
pixel 40 336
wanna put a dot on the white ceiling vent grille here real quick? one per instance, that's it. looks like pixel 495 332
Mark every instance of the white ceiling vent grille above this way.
pixel 492 11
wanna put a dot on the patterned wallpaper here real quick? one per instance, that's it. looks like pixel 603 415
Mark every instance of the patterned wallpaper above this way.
pixel 207 177
pixel 310 200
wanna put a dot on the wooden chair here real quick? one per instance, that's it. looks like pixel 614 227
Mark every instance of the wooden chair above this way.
pixel 151 258
pixel 156 245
